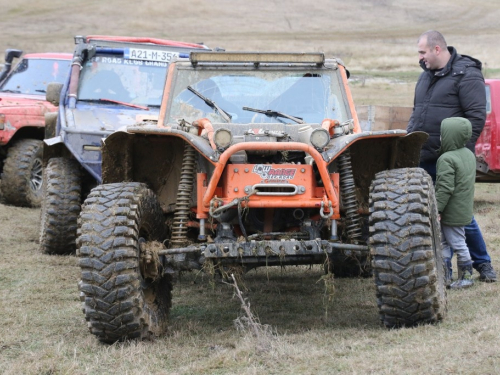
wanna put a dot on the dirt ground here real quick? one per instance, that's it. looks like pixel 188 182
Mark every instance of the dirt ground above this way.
pixel 42 329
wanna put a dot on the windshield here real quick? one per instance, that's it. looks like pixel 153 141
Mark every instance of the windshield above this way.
pixel 31 76
pixel 123 80
pixel 305 94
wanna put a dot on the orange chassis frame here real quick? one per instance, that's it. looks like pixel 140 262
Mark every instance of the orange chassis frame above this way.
pixel 228 182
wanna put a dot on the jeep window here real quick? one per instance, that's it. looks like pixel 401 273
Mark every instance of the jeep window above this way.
pixel 488 99
pixel 31 76
pixel 119 79
pixel 302 94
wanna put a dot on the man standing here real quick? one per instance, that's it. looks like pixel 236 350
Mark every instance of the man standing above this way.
pixel 451 85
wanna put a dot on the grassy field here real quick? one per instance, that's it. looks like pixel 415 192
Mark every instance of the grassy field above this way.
pixel 313 331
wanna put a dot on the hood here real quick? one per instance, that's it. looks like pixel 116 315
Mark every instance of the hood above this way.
pixel 99 118
pixel 455 133
pixel 457 61
pixel 25 108
pixel 17 100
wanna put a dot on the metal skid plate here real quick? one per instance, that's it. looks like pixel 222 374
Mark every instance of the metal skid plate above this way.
pixel 257 253
pixel 281 248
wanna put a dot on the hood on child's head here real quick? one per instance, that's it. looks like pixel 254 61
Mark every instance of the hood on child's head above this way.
pixel 455 133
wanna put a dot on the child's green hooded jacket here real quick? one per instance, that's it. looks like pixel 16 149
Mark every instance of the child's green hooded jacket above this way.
pixel 455 173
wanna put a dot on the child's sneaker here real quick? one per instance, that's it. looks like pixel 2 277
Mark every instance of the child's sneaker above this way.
pixel 464 278
pixel 448 272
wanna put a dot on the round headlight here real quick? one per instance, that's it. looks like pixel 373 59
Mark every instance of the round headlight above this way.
pixel 223 138
pixel 320 138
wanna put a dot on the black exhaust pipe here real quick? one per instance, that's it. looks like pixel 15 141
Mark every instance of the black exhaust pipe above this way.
pixel 10 55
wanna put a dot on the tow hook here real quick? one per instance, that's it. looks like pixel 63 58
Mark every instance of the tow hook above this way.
pixel 322 211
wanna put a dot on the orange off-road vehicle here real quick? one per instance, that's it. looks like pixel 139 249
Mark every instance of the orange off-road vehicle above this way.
pixel 257 159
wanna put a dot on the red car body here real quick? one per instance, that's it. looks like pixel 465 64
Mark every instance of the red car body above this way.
pixel 25 110
pixel 488 144
pixel 22 121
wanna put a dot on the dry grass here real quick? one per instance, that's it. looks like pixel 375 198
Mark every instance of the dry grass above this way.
pixel 368 34
pixel 43 330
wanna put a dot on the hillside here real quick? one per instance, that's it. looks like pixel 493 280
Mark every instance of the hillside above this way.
pixel 369 34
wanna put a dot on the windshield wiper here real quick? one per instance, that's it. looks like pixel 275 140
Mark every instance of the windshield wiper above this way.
pixel 11 91
pixel 275 114
pixel 115 101
pixel 226 116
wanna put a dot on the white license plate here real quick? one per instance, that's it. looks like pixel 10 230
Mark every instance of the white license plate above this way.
pixel 149 54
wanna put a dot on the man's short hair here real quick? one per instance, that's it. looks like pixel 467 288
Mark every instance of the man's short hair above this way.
pixel 434 38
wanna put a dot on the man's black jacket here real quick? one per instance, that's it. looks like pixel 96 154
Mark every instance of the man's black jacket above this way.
pixel 457 90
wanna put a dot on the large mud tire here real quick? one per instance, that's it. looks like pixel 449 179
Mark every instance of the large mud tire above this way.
pixel 22 173
pixel 118 302
pixel 60 206
pixel 406 248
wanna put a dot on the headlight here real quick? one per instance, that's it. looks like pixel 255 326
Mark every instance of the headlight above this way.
pixel 320 138
pixel 223 138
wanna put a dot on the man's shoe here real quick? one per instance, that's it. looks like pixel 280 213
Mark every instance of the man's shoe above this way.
pixel 486 273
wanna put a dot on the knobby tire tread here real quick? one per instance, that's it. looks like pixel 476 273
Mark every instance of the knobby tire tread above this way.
pixel 117 302
pixel 405 248
pixel 60 206
pixel 16 174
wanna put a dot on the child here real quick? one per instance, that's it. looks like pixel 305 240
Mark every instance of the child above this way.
pixel 455 178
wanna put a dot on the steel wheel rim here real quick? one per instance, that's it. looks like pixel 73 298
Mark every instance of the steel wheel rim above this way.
pixel 36 177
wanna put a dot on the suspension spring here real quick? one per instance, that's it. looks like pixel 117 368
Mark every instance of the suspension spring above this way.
pixel 183 202
pixel 348 194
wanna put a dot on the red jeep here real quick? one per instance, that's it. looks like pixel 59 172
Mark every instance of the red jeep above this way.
pixel 488 144
pixel 22 120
